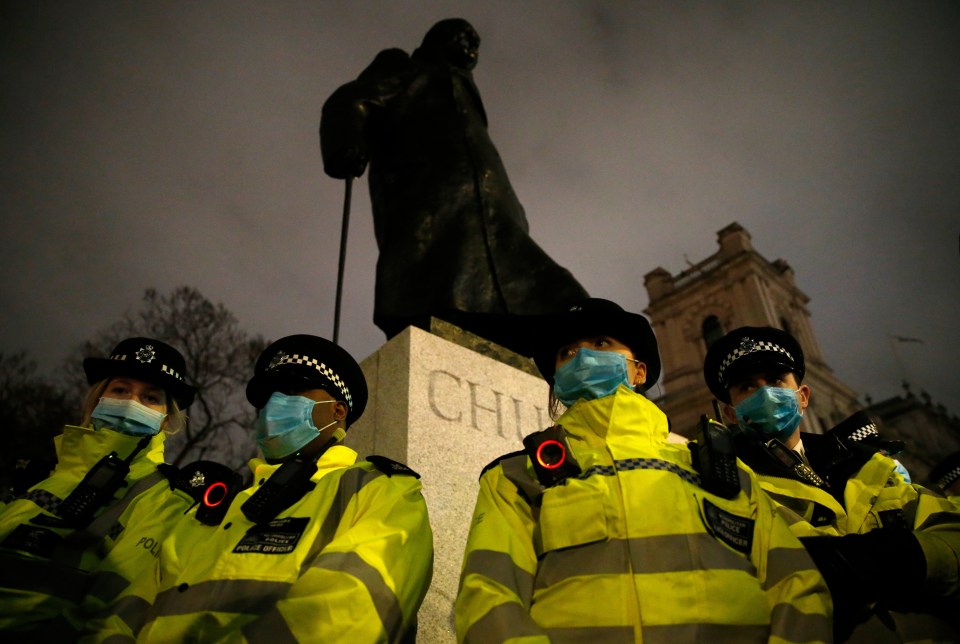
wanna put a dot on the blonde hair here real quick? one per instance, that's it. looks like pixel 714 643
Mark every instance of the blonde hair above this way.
pixel 175 421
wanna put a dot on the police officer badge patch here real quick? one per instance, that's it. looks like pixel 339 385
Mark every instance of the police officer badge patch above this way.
pixel 277 537
pixel 736 532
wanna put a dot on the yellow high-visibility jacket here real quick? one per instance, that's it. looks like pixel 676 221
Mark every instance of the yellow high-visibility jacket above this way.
pixel 876 497
pixel 633 549
pixel 49 570
pixel 350 561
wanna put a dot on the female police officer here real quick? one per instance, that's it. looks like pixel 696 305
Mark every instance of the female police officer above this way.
pixel 601 530
pixel 106 487
pixel 321 547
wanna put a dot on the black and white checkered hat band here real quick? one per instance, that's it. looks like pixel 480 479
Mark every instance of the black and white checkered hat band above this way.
pixel 746 348
pixel 864 432
pixel 164 368
pixel 324 370
pixel 947 479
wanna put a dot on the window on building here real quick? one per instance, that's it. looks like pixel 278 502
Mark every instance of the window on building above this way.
pixel 712 330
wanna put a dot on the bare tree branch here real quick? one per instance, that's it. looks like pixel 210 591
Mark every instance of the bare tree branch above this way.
pixel 219 358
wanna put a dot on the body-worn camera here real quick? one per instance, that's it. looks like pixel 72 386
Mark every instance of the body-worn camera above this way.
pixel 551 455
pixel 212 486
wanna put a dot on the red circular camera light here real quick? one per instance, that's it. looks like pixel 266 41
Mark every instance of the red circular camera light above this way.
pixel 555 455
pixel 221 488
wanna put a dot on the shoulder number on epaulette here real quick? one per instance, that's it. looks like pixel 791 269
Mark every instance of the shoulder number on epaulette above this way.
pixel 390 467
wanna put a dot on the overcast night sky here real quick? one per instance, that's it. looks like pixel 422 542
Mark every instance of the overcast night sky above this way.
pixel 157 144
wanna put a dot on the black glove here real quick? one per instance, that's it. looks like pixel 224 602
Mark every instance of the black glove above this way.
pixel 885 566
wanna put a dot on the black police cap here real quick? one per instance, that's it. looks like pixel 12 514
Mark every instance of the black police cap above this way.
pixel 148 360
pixel 945 473
pixel 594 316
pixel 302 362
pixel 859 428
pixel 750 349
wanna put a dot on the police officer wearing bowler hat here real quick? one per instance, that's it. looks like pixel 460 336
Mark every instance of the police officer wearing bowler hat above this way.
pixel 602 530
pixel 320 547
pixel 884 546
pixel 69 544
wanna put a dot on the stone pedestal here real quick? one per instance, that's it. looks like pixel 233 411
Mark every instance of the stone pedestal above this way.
pixel 446 411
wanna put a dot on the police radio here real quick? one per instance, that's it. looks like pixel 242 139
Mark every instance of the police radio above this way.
pixel 552 458
pixel 716 457
pixel 285 487
pixel 97 488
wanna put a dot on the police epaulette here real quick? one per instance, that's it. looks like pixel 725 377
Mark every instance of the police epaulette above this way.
pixel 492 464
pixel 173 476
pixel 390 467
pixel 197 477
pixel 212 486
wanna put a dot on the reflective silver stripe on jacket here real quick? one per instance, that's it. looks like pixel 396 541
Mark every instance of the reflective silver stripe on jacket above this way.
pixel 255 597
pixel 499 567
pixel 783 562
pixel 384 600
pixel 131 609
pixel 351 482
pixel 248 596
pixel 508 619
pixel 70 552
pixel 675 633
pixel 790 624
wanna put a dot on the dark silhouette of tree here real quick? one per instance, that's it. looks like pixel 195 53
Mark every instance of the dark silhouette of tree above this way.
pixel 219 357
pixel 32 411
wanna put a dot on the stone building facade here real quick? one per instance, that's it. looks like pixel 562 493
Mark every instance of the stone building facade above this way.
pixel 734 287
pixel 928 429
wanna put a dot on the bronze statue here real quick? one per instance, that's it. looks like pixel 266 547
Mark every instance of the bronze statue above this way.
pixel 454 241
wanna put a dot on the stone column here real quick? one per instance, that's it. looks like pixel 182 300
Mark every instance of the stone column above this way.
pixel 446 411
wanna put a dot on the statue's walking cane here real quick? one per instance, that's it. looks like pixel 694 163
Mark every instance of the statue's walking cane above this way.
pixel 343 257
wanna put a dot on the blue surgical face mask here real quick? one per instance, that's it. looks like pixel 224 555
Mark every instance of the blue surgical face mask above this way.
pixel 285 425
pixel 770 412
pixel 126 416
pixel 590 374
pixel 902 471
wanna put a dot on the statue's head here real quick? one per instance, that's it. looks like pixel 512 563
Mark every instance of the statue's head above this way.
pixel 453 42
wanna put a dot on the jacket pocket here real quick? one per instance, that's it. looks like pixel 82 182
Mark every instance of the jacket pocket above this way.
pixel 571 517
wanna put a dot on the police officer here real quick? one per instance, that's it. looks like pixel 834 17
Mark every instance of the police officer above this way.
pixel 602 530
pixel 881 543
pixel 71 540
pixel 320 547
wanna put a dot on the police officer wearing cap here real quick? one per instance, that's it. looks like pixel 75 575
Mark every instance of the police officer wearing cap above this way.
pixel 70 542
pixel 602 530
pixel 320 547
pixel 883 545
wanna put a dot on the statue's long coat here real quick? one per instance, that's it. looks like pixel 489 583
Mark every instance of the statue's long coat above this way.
pixel 451 232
